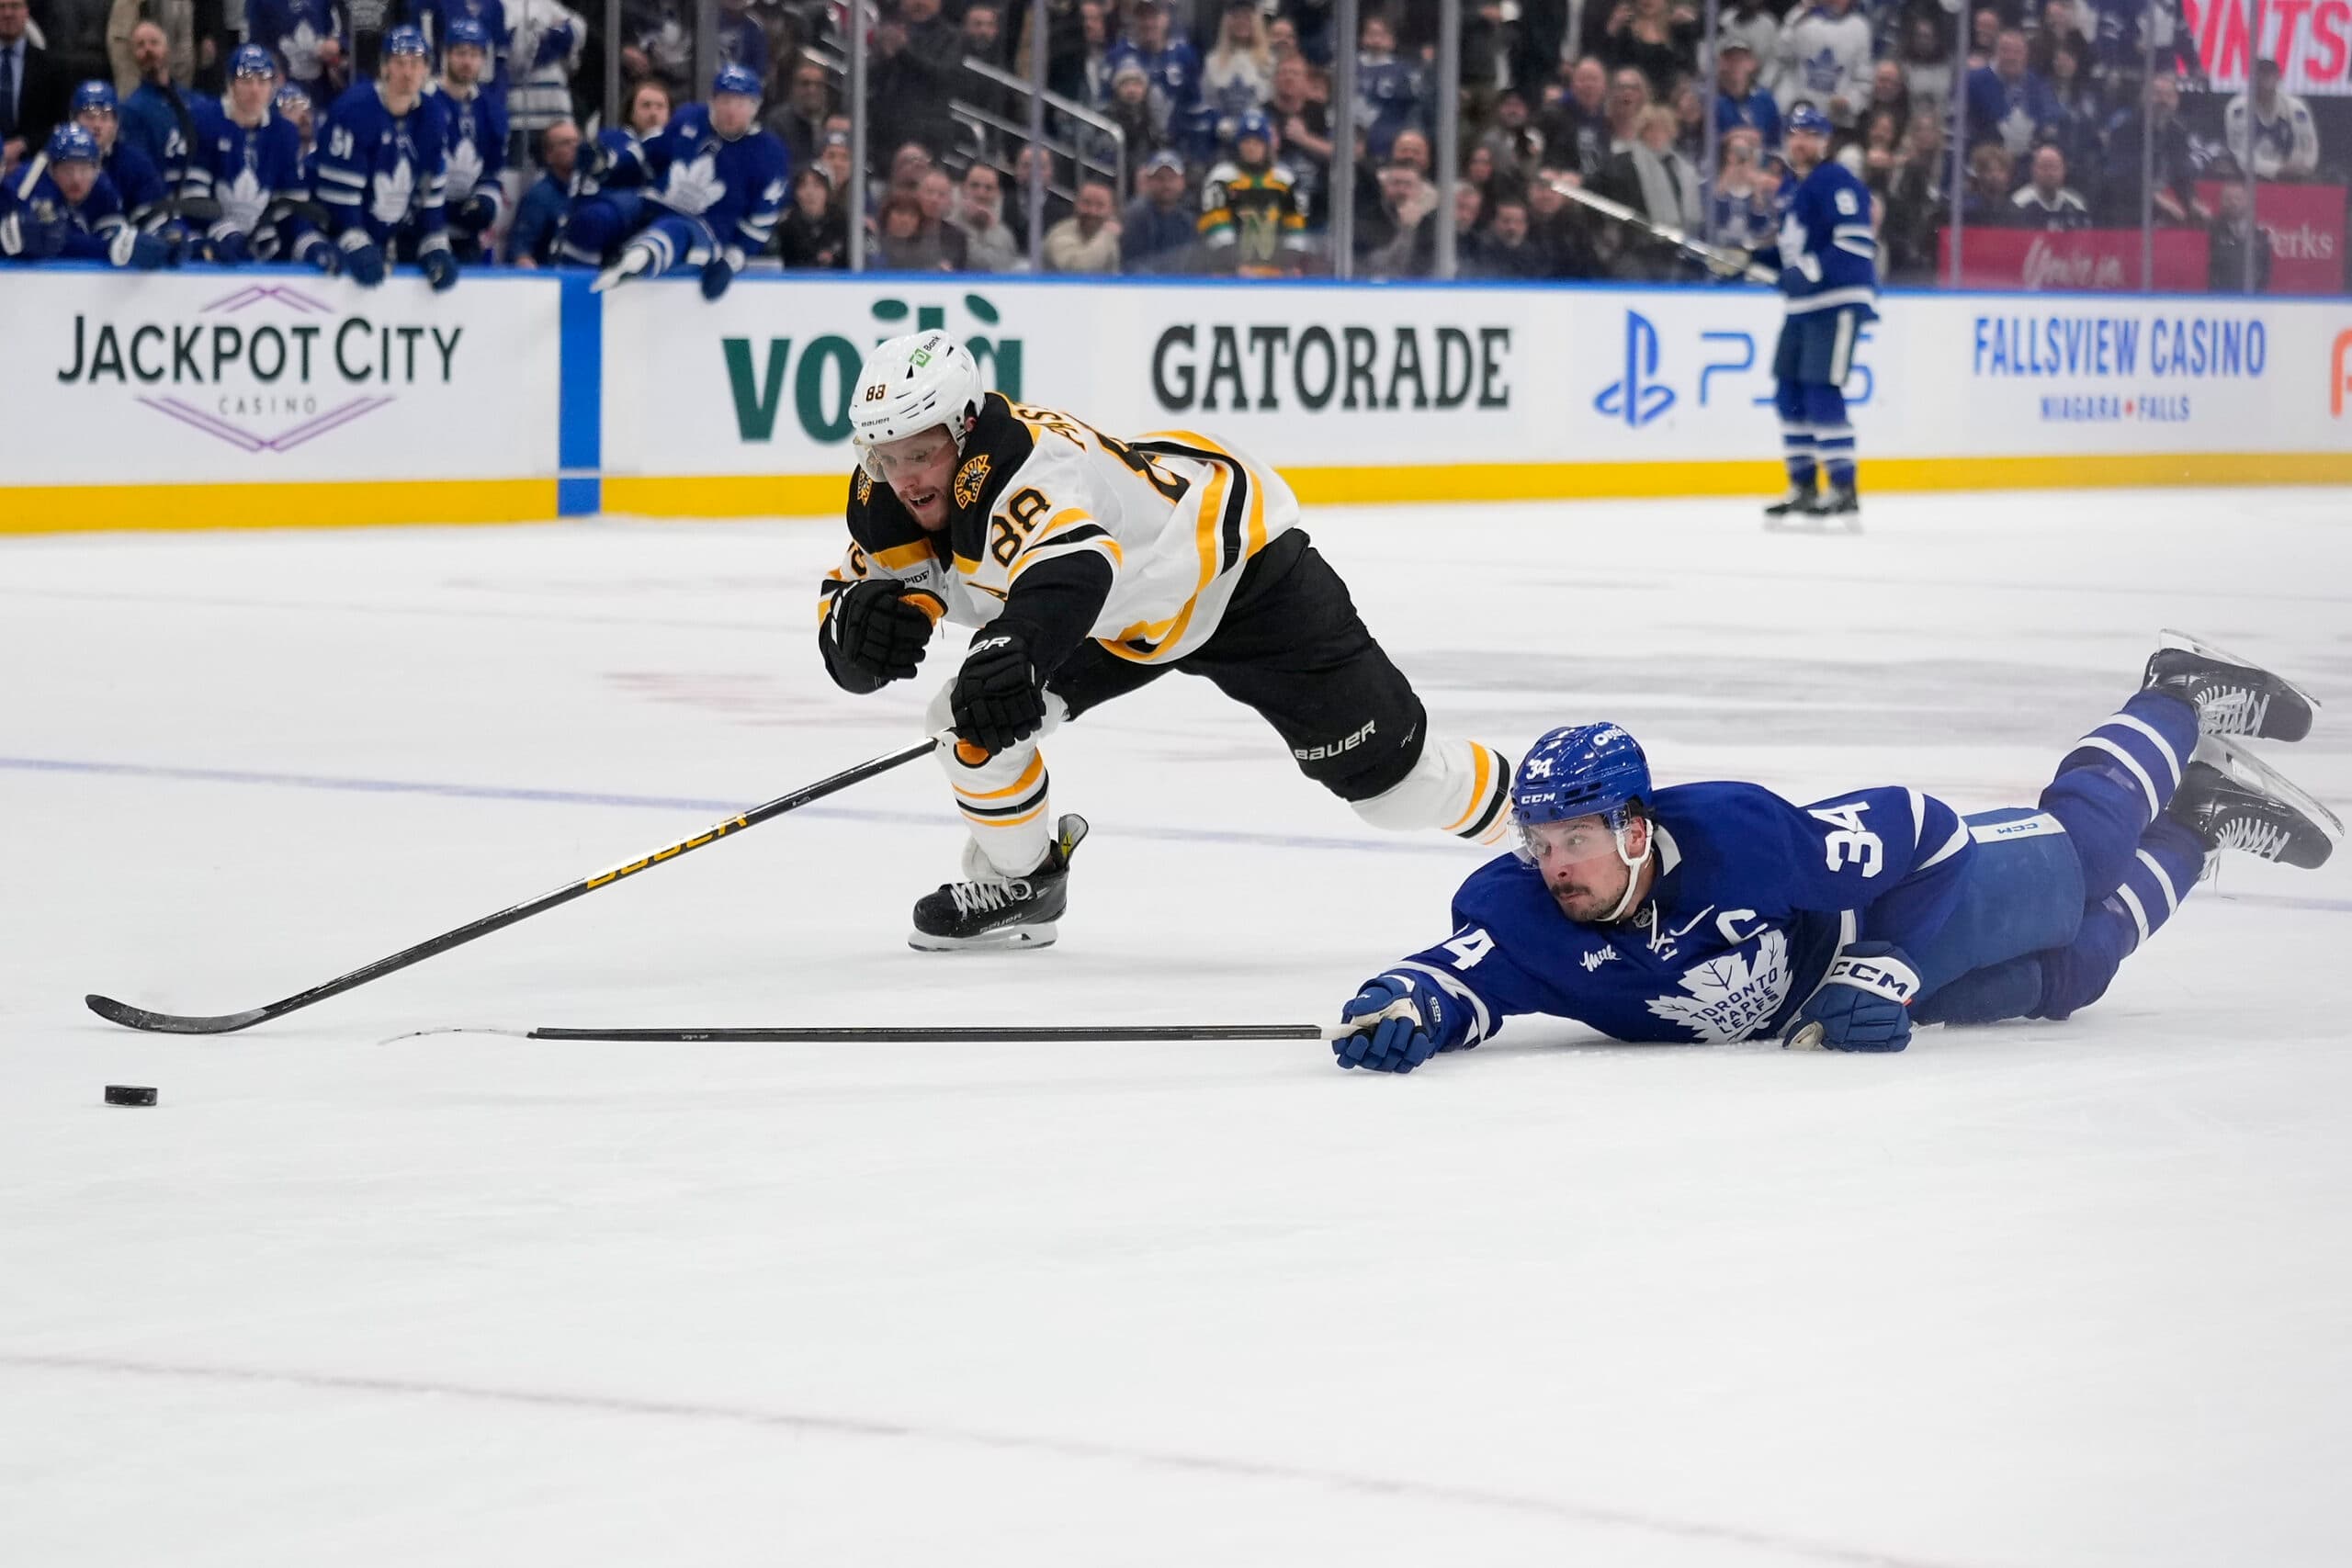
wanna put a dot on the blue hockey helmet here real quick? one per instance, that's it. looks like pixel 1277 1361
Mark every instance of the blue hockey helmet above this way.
pixel 736 79
pixel 406 40
pixel 1253 124
pixel 251 60
pixel 1581 770
pixel 465 29
pixel 1806 117
pixel 292 100
pixel 93 95
pixel 69 143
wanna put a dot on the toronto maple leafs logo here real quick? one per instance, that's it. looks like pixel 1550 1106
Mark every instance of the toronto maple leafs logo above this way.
pixel 1820 70
pixel 301 48
pixel 465 171
pixel 243 199
pixel 390 193
pixel 695 185
pixel 1730 997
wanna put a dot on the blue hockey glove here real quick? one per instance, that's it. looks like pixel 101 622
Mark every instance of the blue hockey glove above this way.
pixel 231 249
pixel 440 268
pixel 319 255
pixel 1864 1002
pixel 717 273
pixel 1401 1022
pixel 473 215
pixel 362 258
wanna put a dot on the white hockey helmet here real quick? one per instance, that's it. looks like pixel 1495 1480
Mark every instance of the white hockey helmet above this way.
pixel 908 385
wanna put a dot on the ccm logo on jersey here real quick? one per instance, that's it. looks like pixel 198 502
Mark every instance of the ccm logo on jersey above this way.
pixel 1318 753
pixel 1880 976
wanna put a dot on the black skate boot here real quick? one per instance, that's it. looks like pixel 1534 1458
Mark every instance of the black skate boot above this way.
pixel 1798 504
pixel 991 910
pixel 2232 697
pixel 2233 800
pixel 1840 501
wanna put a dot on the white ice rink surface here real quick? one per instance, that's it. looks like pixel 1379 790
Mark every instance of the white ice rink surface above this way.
pixel 2050 1294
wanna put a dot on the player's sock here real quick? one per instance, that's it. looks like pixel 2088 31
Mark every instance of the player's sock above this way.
pixel 989 910
pixel 1833 440
pixel 1004 797
pixel 2116 780
pixel 1455 786
pixel 2165 866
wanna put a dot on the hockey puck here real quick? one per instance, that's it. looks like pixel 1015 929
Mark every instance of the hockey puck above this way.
pixel 129 1094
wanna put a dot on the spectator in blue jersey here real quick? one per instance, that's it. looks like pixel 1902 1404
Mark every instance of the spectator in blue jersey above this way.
pixel 530 240
pixel 61 206
pixel 1388 89
pixel 2007 101
pixel 741 41
pixel 1745 214
pixel 717 189
pixel 137 183
pixel 474 116
pixel 161 118
pixel 2045 201
pixel 1739 100
pixel 382 166
pixel 310 38
pixel 1171 69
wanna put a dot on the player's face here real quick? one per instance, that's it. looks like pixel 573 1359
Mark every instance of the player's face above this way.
pixel 404 78
pixel 249 95
pixel 99 123
pixel 1806 149
pixel 730 113
pixel 463 65
pixel 918 468
pixel 75 180
pixel 1580 863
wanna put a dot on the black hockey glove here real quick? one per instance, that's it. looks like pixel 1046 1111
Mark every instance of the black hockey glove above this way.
pixel 878 630
pixel 998 700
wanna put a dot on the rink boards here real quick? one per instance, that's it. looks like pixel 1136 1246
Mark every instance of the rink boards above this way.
pixel 259 398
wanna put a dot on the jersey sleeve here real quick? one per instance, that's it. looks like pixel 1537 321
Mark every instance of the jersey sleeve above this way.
pixel 1477 968
pixel 756 225
pixel 1894 856
pixel 341 174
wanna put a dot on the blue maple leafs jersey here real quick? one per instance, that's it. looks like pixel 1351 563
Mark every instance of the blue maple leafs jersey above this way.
pixel 1754 896
pixel 36 222
pixel 258 179
pixel 293 30
pixel 736 189
pixel 475 148
pixel 1828 251
pixel 434 16
pixel 615 162
pixel 1389 100
pixel 138 183
pixel 381 172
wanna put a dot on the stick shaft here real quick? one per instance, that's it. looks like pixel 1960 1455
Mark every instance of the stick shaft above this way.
pixel 173 1023
pixel 950 1034
pixel 1672 236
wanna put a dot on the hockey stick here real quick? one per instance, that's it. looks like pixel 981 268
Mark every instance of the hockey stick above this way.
pixel 1728 262
pixel 226 1023
pixel 983 1034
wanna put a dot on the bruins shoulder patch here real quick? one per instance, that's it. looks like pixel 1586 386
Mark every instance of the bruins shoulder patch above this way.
pixel 970 478
pixel 865 486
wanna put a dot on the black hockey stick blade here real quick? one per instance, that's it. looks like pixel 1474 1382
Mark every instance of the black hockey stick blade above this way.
pixel 983 1034
pixel 229 1023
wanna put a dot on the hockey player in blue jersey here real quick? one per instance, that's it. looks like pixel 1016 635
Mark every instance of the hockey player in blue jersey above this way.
pixel 1830 272
pixel 718 188
pixel 138 183
pixel 608 182
pixel 1715 912
pixel 61 205
pixel 255 158
pixel 474 115
pixel 382 159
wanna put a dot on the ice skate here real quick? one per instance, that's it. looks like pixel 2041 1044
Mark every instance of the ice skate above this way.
pixel 990 910
pixel 2233 800
pixel 2230 695
pixel 1839 500
pixel 1798 504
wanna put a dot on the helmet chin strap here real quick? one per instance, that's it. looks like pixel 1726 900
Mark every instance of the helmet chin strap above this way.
pixel 1632 872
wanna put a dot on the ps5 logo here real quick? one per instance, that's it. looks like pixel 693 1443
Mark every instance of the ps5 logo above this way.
pixel 1639 397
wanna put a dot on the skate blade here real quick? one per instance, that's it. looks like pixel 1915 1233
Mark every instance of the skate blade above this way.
pixel 2242 764
pixel 1010 940
pixel 2167 638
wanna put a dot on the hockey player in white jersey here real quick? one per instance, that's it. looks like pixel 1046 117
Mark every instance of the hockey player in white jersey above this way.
pixel 1092 566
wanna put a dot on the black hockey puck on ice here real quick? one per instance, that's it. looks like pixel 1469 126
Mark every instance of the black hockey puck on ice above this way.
pixel 129 1094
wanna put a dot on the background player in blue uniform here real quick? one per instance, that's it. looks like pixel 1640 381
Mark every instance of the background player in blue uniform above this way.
pixel 1830 272
pixel 255 157
pixel 62 205
pixel 473 114
pixel 1714 912
pixel 138 183
pixel 382 159
pixel 716 189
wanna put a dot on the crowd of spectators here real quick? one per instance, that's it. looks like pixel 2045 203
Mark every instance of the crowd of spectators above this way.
pixel 1227 125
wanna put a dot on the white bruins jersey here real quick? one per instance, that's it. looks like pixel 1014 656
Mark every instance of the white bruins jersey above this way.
pixel 1175 515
